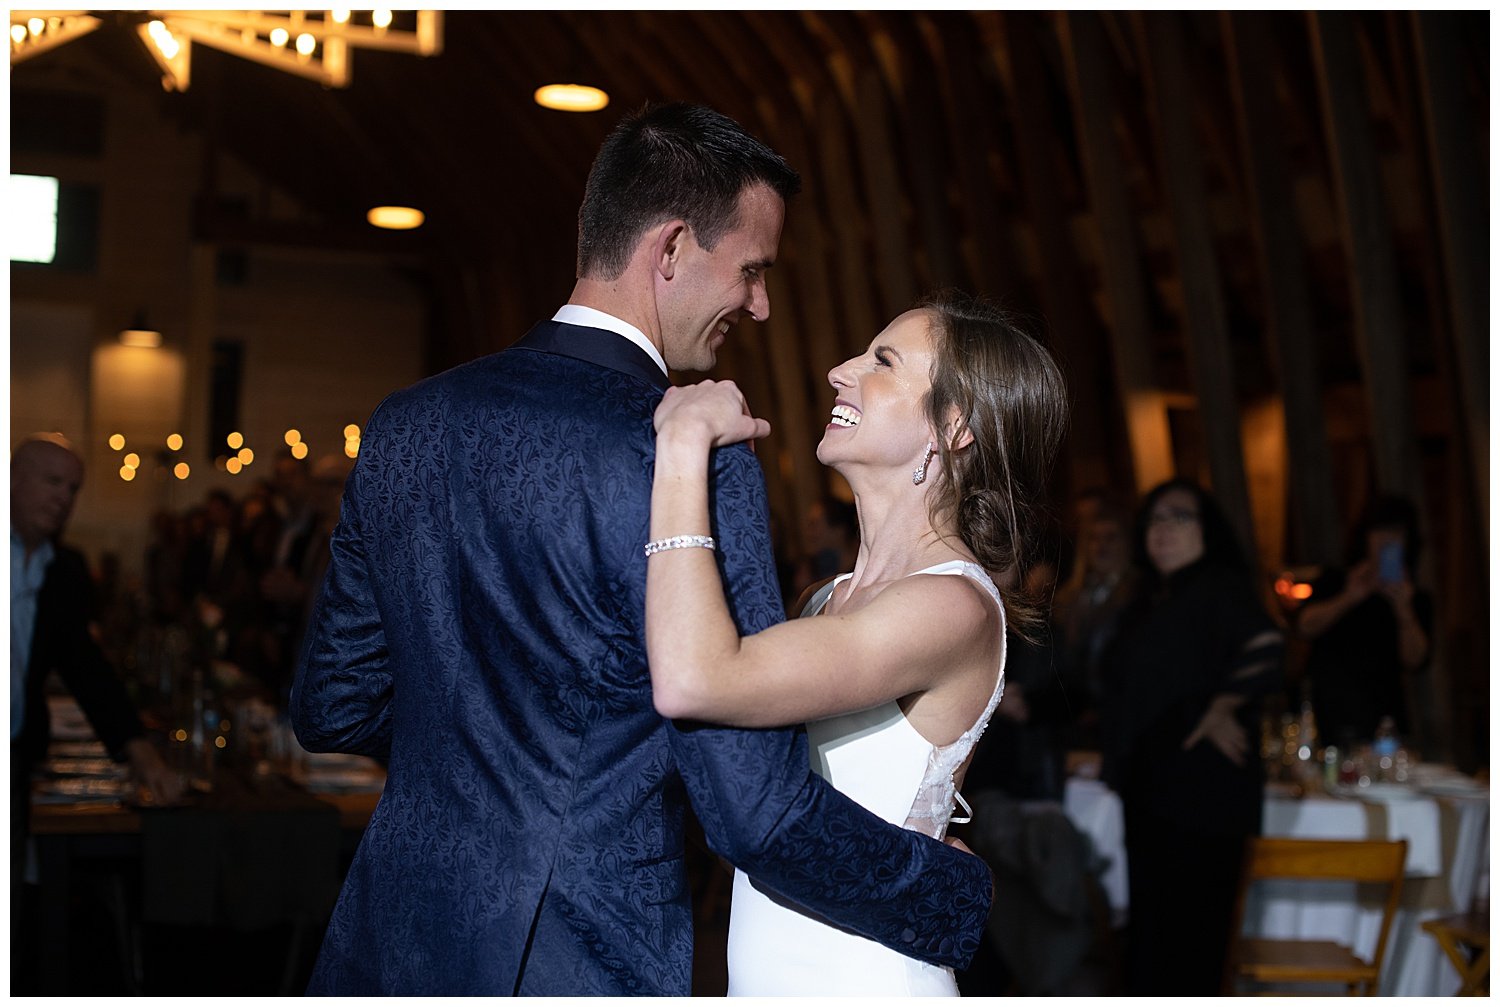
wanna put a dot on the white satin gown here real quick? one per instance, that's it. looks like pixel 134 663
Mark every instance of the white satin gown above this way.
pixel 879 759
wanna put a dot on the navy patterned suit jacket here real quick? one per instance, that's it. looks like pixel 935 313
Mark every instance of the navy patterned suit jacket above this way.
pixel 482 628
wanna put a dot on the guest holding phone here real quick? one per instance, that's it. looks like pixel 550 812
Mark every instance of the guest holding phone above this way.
pixel 1369 627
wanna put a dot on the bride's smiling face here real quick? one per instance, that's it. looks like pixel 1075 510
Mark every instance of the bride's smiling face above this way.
pixel 878 417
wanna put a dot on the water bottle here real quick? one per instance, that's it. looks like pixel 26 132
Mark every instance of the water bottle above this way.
pixel 1385 747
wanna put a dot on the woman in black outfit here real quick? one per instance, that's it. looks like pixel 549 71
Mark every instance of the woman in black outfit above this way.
pixel 1184 677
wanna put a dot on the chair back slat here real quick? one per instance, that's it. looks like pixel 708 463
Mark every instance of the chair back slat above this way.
pixel 1327 859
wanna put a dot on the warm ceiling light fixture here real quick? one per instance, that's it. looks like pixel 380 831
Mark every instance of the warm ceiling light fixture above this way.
pixel 140 333
pixel 571 97
pixel 313 44
pixel 395 218
pixel 36 31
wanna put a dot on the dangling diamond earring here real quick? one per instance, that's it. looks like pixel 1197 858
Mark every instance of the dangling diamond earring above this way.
pixel 920 473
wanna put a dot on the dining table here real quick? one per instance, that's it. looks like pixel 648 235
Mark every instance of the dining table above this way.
pixel 1441 813
pixel 255 842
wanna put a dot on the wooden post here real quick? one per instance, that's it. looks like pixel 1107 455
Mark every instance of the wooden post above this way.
pixel 850 250
pixel 1283 267
pixel 887 206
pixel 1071 327
pixel 1197 264
pixel 1459 177
pixel 1120 254
pixel 1366 233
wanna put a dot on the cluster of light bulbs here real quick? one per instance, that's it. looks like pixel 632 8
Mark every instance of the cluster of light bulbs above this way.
pixel 235 463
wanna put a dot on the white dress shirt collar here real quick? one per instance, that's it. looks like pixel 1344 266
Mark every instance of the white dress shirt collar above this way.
pixel 577 314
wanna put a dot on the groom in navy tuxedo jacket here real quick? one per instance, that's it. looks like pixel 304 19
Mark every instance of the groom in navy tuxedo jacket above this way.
pixel 481 627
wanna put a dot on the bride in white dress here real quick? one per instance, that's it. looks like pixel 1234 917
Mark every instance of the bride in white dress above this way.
pixel 945 429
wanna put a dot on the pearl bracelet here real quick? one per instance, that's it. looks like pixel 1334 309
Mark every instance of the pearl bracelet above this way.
pixel 680 542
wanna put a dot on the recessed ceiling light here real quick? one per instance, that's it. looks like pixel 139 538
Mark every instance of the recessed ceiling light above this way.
pixel 571 97
pixel 395 218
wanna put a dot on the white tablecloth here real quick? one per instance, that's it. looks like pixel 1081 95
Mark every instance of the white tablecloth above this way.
pixel 1447 864
pixel 1096 811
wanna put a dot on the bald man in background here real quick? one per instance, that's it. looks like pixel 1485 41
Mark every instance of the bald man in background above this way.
pixel 51 608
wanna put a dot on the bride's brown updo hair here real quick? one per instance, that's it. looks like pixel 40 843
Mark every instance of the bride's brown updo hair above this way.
pixel 1010 395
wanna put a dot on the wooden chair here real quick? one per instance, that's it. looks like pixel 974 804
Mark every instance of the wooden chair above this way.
pixel 1465 939
pixel 1272 964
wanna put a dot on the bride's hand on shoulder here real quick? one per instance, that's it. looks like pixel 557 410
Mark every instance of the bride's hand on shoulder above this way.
pixel 714 410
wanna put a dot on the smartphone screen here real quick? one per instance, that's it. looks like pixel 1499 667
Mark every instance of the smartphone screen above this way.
pixel 1392 568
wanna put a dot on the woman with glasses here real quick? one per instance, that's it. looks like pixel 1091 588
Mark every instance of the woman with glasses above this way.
pixel 1184 676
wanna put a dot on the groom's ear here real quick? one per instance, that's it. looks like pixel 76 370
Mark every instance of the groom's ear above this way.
pixel 667 246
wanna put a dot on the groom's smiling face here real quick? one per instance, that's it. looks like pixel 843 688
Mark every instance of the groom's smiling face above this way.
pixel 712 290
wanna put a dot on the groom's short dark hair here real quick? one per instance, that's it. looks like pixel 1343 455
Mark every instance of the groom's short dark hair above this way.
pixel 665 162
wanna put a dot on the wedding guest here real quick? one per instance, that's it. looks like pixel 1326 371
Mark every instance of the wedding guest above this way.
pixel 1184 676
pixel 1370 628
pixel 51 631
pixel 1086 613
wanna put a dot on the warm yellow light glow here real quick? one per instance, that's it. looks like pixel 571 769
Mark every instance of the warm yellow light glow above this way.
pixel 180 734
pixel 571 97
pixel 235 440
pixel 127 473
pixel 340 16
pixel 174 442
pixel 182 471
pixel 233 466
pixel 351 447
pixel 164 39
pixel 352 430
pixel 132 460
pixel 293 436
pixel 117 441
pixel 381 18
pixel 147 339
pixel 36 25
pixel 219 742
pixel 279 37
pixel 1302 592
pixel 299 450
pixel 18 33
pixel 246 456
pixel 306 44
pixel 395 218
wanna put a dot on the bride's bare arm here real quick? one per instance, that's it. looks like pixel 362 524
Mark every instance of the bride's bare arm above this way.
pixel 914 634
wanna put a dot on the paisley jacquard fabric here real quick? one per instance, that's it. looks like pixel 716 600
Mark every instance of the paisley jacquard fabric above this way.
pixel 481 628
